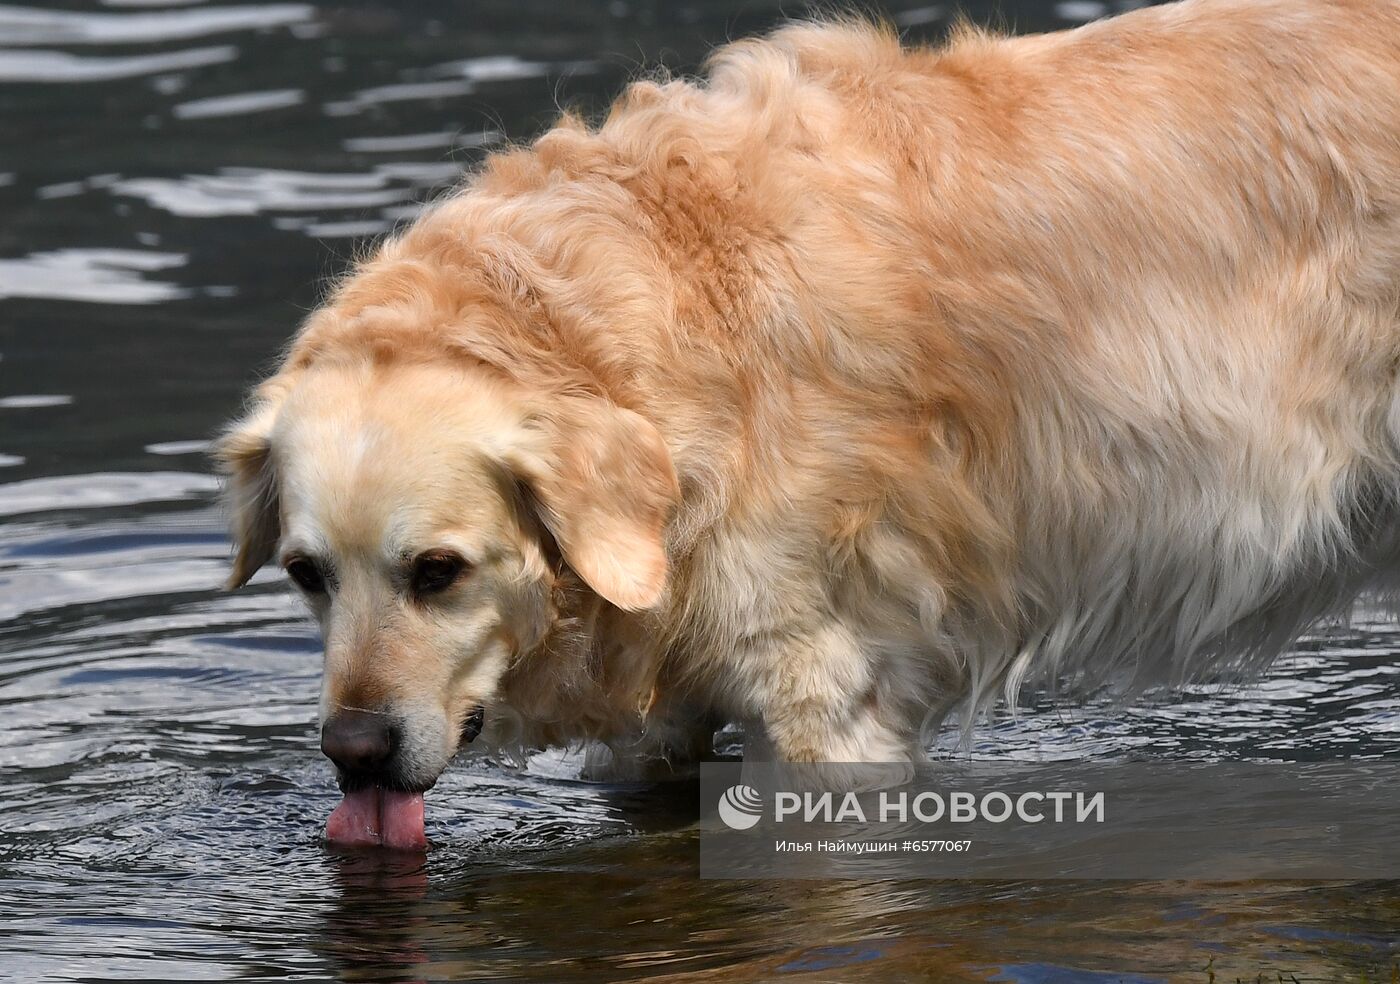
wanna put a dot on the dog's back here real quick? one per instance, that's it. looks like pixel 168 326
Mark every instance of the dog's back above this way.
pixel 1104 327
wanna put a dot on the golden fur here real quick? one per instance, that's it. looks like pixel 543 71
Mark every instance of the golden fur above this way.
pixel 854 381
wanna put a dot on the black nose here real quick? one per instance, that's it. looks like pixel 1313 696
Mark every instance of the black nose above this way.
pixel 358 741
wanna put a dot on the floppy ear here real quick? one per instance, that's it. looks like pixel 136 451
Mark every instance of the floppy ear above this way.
pixel 244 455
pixel 605 486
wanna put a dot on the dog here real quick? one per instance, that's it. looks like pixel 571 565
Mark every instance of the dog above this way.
pixel 849 385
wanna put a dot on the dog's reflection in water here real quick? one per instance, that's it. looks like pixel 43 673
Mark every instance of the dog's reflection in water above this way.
pixel 377 928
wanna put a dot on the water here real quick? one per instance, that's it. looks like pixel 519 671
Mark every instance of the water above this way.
pixel 176 180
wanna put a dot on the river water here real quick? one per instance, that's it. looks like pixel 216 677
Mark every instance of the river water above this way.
pixel 176 181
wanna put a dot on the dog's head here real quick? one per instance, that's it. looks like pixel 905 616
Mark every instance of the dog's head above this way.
pixel 423 511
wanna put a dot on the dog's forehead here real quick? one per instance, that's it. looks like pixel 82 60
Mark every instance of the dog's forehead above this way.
pixel 379 461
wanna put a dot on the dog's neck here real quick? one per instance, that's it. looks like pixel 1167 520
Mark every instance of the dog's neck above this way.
pixel 593 675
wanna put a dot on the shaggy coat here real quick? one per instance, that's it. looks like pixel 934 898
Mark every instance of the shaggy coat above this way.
pixel 853 382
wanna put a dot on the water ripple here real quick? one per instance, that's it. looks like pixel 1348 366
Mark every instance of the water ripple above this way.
pixel 26 25
pixel 60 66
pixel 100 491
pixel 254 191
pixel 111 276
pixel 239 104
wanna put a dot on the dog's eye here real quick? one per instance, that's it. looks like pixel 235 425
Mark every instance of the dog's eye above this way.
pixel 307 575
pixel 436 572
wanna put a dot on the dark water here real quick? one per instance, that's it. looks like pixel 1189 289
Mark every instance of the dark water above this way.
pixel 175 181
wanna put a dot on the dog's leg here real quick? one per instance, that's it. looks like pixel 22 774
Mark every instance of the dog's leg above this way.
pixel 820 700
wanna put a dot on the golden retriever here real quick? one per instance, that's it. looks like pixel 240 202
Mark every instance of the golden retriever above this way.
pixel 849 383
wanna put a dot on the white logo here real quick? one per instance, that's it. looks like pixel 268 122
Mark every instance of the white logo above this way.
pixel 740 807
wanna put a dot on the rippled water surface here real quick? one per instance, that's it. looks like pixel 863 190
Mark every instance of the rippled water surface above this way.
pixel 176 178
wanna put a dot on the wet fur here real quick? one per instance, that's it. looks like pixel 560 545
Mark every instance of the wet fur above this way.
pixel 1059 357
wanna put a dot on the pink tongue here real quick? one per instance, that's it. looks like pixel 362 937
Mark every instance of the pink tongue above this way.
pixel 378 817
pixel 401 817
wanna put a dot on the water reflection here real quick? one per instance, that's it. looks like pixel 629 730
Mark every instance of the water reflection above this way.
pixel 26 25
pixel 249 191
pixel 61 66
pixel 239 104
pixel 109 276
pixel 390 944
